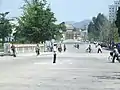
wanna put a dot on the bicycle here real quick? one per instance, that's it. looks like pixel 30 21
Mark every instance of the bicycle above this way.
pixel 110 57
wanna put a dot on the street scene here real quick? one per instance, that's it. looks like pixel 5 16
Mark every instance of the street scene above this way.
pixel 74 70
pixel 59 44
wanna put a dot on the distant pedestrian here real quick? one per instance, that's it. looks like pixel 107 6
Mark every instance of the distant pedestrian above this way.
pixel 60 48
pixel 54 53
pixel 64 47
pixel 13 50
pixel 99 48
pixel 77 46
pixel 89 49
pixel 37 49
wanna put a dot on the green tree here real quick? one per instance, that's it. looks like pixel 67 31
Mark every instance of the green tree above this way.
pixel 62 26
pixel 114 35
pixel 117 22
pixel 5 26
pixel 37 22
pixel 98 29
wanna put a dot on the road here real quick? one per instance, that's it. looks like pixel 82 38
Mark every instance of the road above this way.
pixel 75 70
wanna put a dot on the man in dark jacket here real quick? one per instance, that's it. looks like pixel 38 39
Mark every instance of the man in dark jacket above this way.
pixel 13 50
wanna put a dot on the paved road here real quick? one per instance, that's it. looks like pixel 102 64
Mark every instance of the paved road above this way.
pixel 74 70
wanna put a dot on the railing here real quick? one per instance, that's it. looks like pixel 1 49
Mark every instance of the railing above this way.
pixel 25 48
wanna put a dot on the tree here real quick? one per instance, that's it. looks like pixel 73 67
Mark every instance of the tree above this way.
pixel 117 22
pixel 37 22
pixel 114 35
pixel 91 31
pixel 5 26
pixel 62 26
pixel 98 29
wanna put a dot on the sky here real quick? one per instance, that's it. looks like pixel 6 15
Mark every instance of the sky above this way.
pixel 65 10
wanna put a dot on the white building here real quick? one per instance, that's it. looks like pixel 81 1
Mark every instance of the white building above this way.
pixel 113 10
pixel 71 32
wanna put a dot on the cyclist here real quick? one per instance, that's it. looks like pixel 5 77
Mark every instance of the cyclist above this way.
pixel 115 54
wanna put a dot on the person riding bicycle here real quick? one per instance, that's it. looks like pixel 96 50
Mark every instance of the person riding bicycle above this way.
pixel 115 54
pixel 89 48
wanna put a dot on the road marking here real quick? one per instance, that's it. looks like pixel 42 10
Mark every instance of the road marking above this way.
pixel 68 60
pixel 37 63
pixel 61 63
pixel 70 63
pixel 70 68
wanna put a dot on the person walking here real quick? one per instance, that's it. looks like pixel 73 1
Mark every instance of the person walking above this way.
pixel 89 49
pixel 13 50
pixel 54 53
pixel 77 46
pixel 60 48
pixel 37 49
pixel 99 48
pixel 64 47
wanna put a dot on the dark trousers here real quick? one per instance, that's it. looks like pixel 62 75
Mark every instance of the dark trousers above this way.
pixel 64 49
pixel 99 50
pixel 13 50
pixel 115 56
pixel 38 52
pixel 54 58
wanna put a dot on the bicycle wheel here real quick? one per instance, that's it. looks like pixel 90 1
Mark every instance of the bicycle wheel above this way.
pixel 110 58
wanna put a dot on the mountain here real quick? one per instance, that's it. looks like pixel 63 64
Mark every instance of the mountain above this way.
pixel 81 24
pixel 70 22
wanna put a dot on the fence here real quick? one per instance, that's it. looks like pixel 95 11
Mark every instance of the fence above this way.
pixel 24 48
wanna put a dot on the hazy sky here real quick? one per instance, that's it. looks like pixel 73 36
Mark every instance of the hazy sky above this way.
pixel 65 10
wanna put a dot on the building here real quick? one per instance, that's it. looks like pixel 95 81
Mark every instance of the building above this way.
pixel 71 32
pixel 113 10
pixel 84 35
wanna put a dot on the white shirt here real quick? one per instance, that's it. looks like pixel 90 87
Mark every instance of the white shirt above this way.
pixel 116 51
pixel 99 47
pixel 54 49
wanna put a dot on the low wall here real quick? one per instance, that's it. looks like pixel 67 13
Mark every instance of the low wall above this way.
pixel 24 48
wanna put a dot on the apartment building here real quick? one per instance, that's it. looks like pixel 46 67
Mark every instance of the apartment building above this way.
pixel 113 10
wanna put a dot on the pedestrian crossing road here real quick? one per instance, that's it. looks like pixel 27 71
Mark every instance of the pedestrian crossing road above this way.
pixel 73 70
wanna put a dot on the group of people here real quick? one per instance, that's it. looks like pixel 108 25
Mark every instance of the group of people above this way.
pixel 60 48
pixel 37 49
pixel 55 47
pixel 99 48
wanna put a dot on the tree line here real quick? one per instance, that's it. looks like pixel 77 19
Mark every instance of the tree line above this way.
pixel 100 29
pixel 36 24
